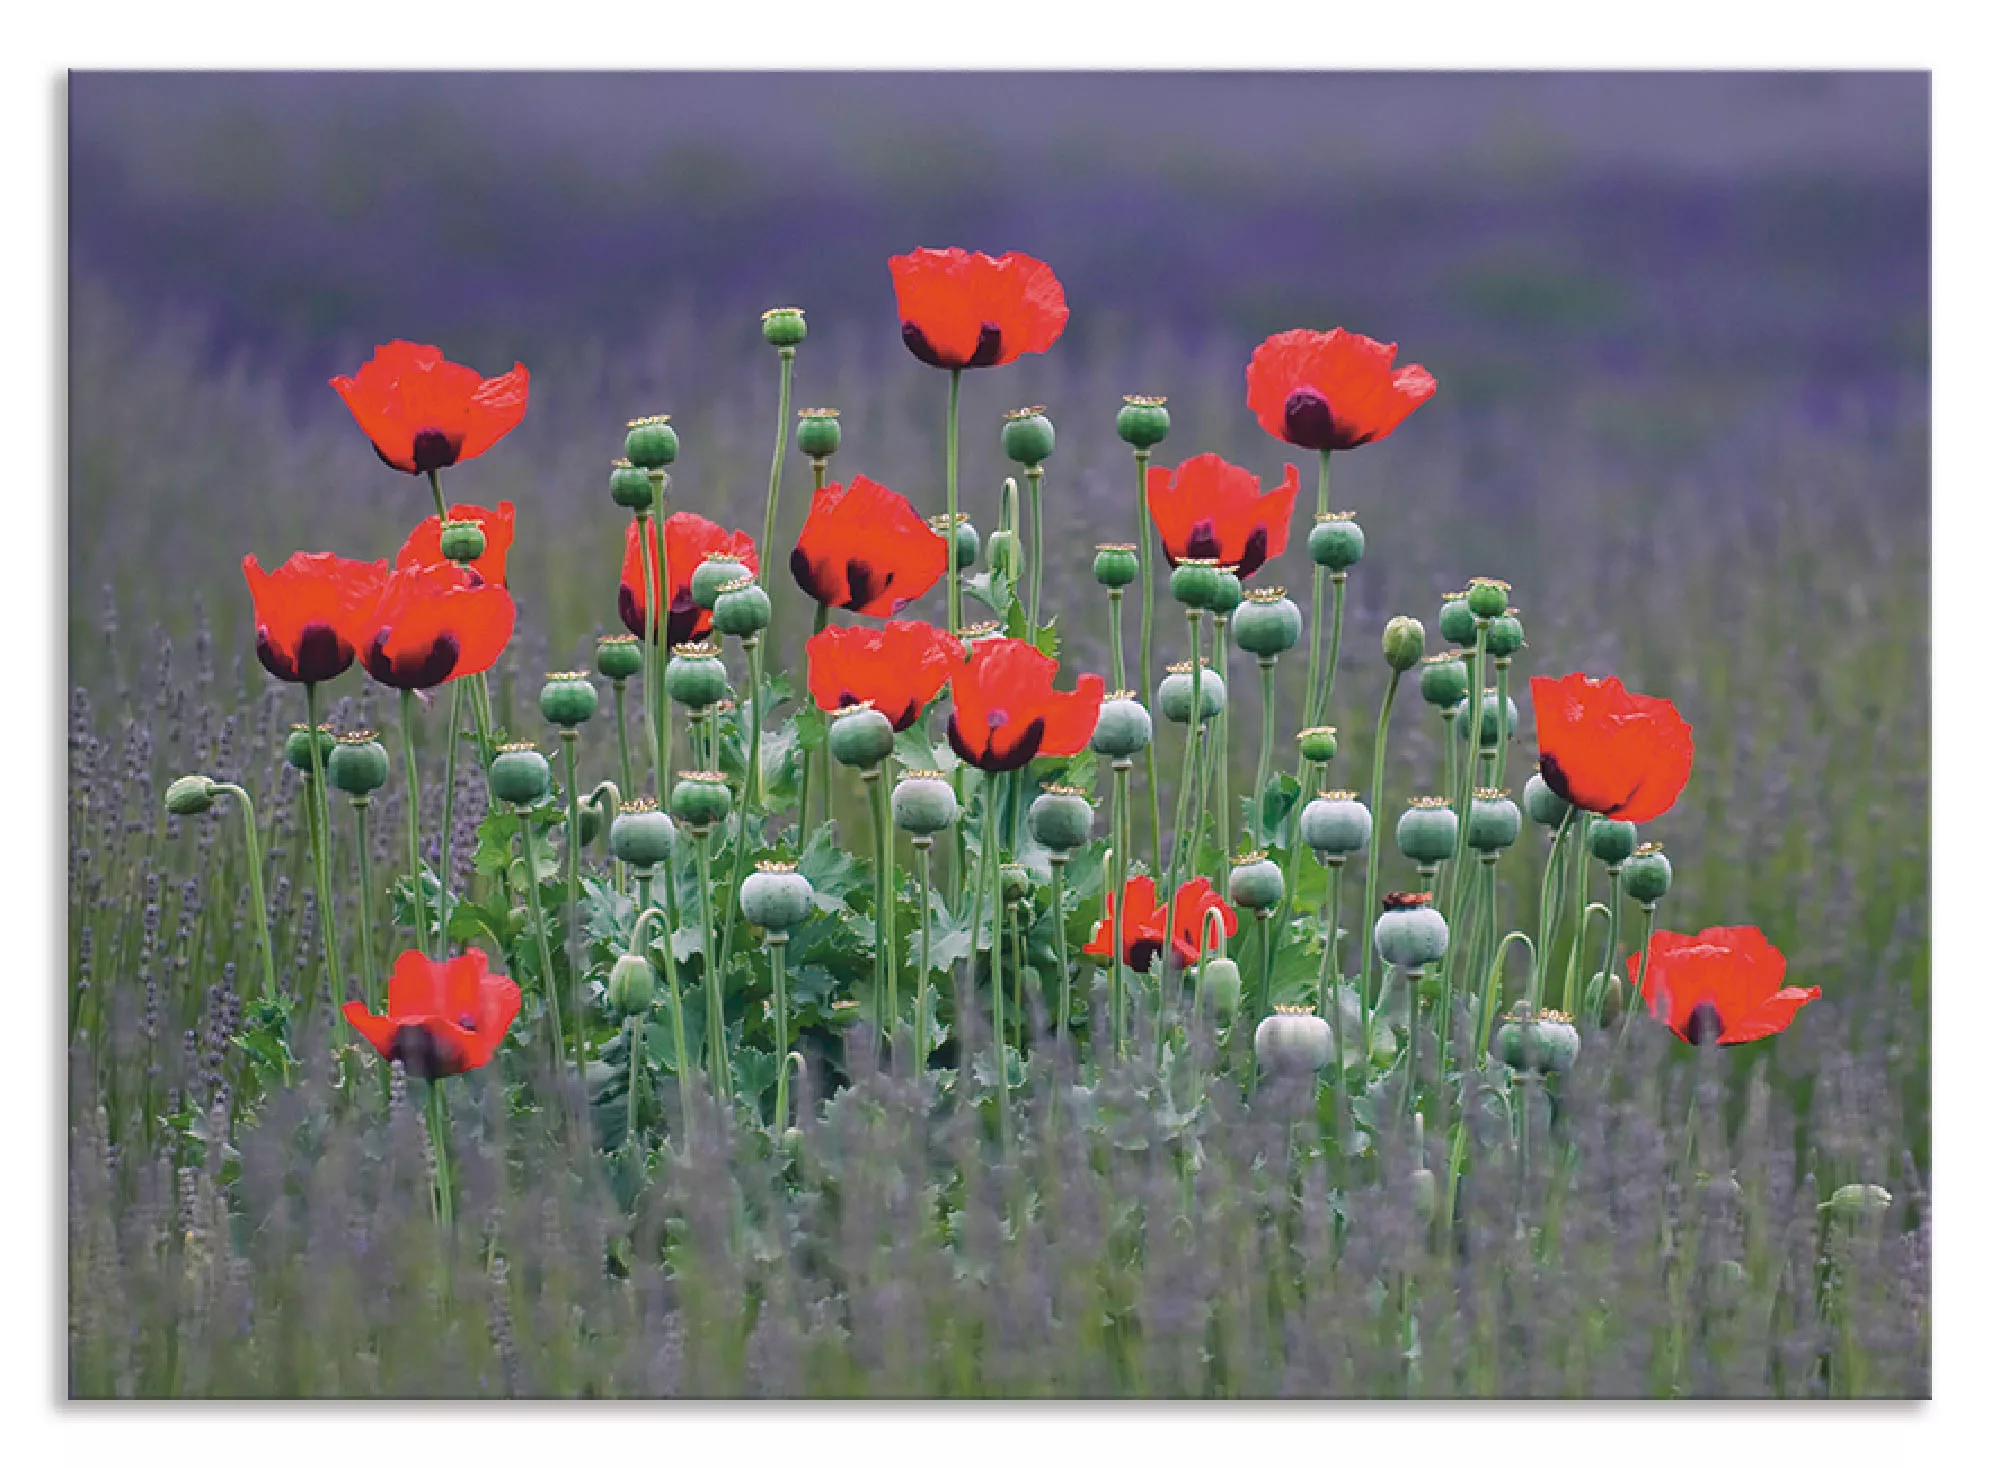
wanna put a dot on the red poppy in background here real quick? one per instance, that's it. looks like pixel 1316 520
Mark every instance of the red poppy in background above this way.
pixel 1208 509
pixel 1332 389
pixel 435 623
pixel 1005 709
pixel 311 612
pixel 961 309
pixel 1193 901
pixel 864 549
pixel 898 667
pixel 1620 754
pixel 423 413
pixel 1724 986
pixel 1143 921
pixel 689 541
pixel 423 548
pixel 444 1018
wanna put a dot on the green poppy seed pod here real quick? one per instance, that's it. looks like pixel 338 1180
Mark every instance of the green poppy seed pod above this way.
pixel 1319 744
pixel 923 803
pixel 1860 1201
pixel 819 432
pixel 1292 1040
pixel 1268 623
pixel 299 750
pixel 742 608
pixel 861 736
pixel 1410 932
pixel 965 540
pixel 1485 597
pixel 519 775
pixel 1116 565
pixel 1493 823
pixel 784 326
pixel 589 821
pixel 1444 680
pixel 1456 624
pixel 1196 583
pixel 191 795
pixel 1175 695
pixel 631 986
pixel 642 835
pixel 461 540
pixel 359 765
pixel 1334 823
pixel 695 676
pixel 1504 636
pixel 650 443
pixel 1014 883
pixel 1123 726
pixel 1000 554
pixel 1403 643
pixel 1256 882
pixel 776 898
pixel 1220 990
pixel 701 798
pixel 1060 818
pixel 1143 422
pixel 631 486
pixel 717 570
pixel 568 699
pixel 1545 807
pixel 1336 542
pixel 1228 593
pixel 1028 437
pixel 1427 833
pixel 1489 721
pixel 1613 842
pixel 1547 1042
pixel 1647 875
pixel 620 657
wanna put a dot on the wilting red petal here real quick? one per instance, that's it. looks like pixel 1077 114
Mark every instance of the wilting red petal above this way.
pixel 1621 754
pixel 1006 711
pixel 961 309
pixel 1209 509
pixel 425 545
pixel 865 550
pixel 898 667
pixel 1332 389
pixel 689 540
pixel 423 413
pixel 435 623
pixel 311 612
pixel 1725 985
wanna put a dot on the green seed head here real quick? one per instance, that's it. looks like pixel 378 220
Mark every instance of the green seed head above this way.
pixel 1292 1040
pixel 568 699
pixel 776 898
pixel 717 570
pixel 965 540
pixel 1494 821
pixel 299 749
pixel 1123 726
pixel 784 326
pixel 1444 680
pixel 1220 990
pixel 1060 818
pixel 359 765
pixel 1196 583
pixel 923 803
pixel 1403 643
pixel 1028 437
pixel 1228 593
pixel 861 736
pixel 1861 1200
pixel 631 486
pixel 695 675
pixel 1410 933
pixel 1545 807
pixel 461 540
pixel 631 986
pixel 1143 422
pixel 1546 1042
pixel 742 608
pixel 650 443
pixel 191 795
pixel 1613 842
pixel 519 775
pixel 1175 696
pixel 1336 542
pixel 1268 623
pixel 1014 883
pixel 1335 824
pixel 1485 597
pixel 1647 875
pixel 819 432
pixel 1456 624
pixel 1489 722
pixel 1319 744
pixel 701 798
pixel 1256 882
pixel 1504 637
pixel 642 835
pixel 1427 832
pixel 1116 565
pixel 1002 555
pixel 619 657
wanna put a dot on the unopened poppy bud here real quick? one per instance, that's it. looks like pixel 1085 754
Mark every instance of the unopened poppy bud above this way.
pixel 461 540
pixel 1292 1040
pixel 1485 597
pixel 1493 823
pixel 1403 643
pixel 1456 624
pixel 1336 542
pixel 1256 882
pixel 568 699
pixel 1504 637
pixel 1860 1200
pixel 1545 807
pixel 1116 565
pixel 923 803
pixel 1028 437
pixel 1228 593
pixel 784 326
pixel 191 795
pixel 1410 933
pixel 1175 695
pixel 1613 842
pixel 589 821
pixel 1427 833
pixel 631 988
pixel 1220 989
pixel 1335 824
pixel 1647 875
pixel 359 765
pixel 695 675
pixel 1424 1193
pixel 1143 422
pixel 1489 720
pixel 642 835
pixel 619 657
pixel 1000 554
pixel 742 608
pixel 1014 884
pixel 717 570
pixel 650 443
pixel 1604 997
pixel 819 432
pixel 965 540
pixel 299 750
pixel 1444 680
pixel 776 898
pixel 1319 744
pixel 861 736
pixel 1060 818
pixel 1123 726
pixel 701 798
pixel 519 775
pixel 1268 623
pixel 631 486
pixel 1196 583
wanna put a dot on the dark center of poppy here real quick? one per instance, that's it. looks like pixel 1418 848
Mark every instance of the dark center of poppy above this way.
pixel 422 1054
pixel 422 667
pixel 1202 544
pixel 1255 549
pixel 985 354
pixel 1311 423
pixel 1141 953
pixel 430 450
pixel 862 585
pixel 320 654
pixel 1704 1025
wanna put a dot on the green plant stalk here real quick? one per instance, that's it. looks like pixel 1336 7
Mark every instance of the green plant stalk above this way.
pixel 753 779
pixel 656 645
pixel 955 618
pixel 1034 474
pixel 444 828
pixel 438 1117
pixel 1308 777
pixel 774 944
pixel 572 886
pixel 1375 804
pixel 1191 792
pixel 1323 705
pixel 651 695
pixel 1114 597
pixel 1020 961
pixel 785 356
pixel 987 836
pixel 256 866
pixel 437 495
pixel 1577 936
pixel 814 758
pixel 1615 907
pixel 1267 677
pixel 1329 998
pixel 319 814
pixel 1121 840
pixel 370 986
pixel 1475 714
pixel 877 795
pixel 1461 1130
pixel 1058 864
pixel 1319 598
pixel 682 1070
pixel 1219 751
pixel 632 1084
pixel 1448 744
pixel 407 701
pixel 626 787
pixel 542 942
pixel 1139 459
pixel 920 1048
pixel 1497 774
pixel 1263 965
pixel 1550 871
pixel 1403 1105
pixel 718 1042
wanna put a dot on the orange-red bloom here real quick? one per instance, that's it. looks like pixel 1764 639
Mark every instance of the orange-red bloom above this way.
pixel 1005 709
pixel 1723 985
pixel 423 413
pixel 1210 510
pixel 423 547
pixel 1620 754
pixel 434 623
pixel 865 550
pixel 1332 389
pixel 311 612
pixel 690 539
pixel 444 1018
pixel 1193 901
pixel 1144 921
pixel 898 667
pixel 965 310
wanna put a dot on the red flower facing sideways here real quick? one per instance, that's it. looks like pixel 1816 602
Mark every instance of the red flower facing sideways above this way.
pixel 898 667
pixel 444 1018
pixel 1193 901
pixel 1332 389
pixel 1005 710
pixel 961 309
pixel 311 612
pixel 423 548
pixel 423 413
pixel 1620 754
pixel 865 550
pixel 1144 921
pixel 1724 986
pixel 1208 509
pixel 435 623
pixel 689 541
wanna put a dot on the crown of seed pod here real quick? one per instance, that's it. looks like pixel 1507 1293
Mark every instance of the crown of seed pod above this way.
pixel 979 632
pixel 1060 818
pixel 651 443
pixel 1027 437
pixel 742 608
pixel 359 765
pixel 819 432
pixel 861 735
pixel 1647 875
pixel 696 677
pixel 1144 422
pixel 964 539
pixel 1427 832
pixel 784 327
pixel 631 487
pixel 1444 680
pixel 1456 624
pixel 1267 623
pixel 1410 933
pixel 1292 1040
pixel 1256 882
pixel 717 569
pixel 1486 597
pixel 923 803
pixel 1504 636
pixel 299 748
pixel 1336 542
pixel 568 699
pixel 701 798
pixel 619 657
pixel 1493 822
pixel 642 835
pixel 1335 824
pixel 1319 744
pixel 461 540
pixel 1123 726
pixel 775 897
pixel 1116 565
pixel 519 775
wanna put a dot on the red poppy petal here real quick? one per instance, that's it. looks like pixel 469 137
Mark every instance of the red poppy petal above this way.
pixel 374 1028
pixel 933 298
pixel 494 408
pixel 1069 719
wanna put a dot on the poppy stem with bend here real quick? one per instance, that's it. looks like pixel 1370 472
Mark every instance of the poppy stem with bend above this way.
pixel 256 852
pixel 408 705
pixel 785 356
pixel 322 844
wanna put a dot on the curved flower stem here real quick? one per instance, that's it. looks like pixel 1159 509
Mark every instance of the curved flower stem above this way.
pixel 361 864
pixel 542 941
pixel 408 704
pixel 785 356
pixel 437 494
pixel 683 1072
pixel 1375 804
pixel 1035 571
pixel 256 865
pixel 920 1048
pixel 1058 863
pixel 572 888
pixel 1140 458
pixel 322 844
pixel 1461 1131
pixel 955 620
pixel 718 1040
pixel 1114 882
pixel 444 826
pixel 1319 600
pixel 438 1117
pixel 774 944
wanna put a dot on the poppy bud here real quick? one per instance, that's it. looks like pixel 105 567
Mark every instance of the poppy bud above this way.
pixel 1060 818
pixel 695 675
pixel 359 765
pixel 631 486
pixel 1000 554
pixel 1336 824
pixel 1123 726
pixel 1444 680
pixel 641 834
pixel 1143 422
pixel 1014 884
pixel 861 736
pixel 1485 597
pixel 1028 437
pixel 1860 1200
pixel 1427 833
pixel 1196 583
pixel 923 803
pixel 589 821
pixel 965 542
pixel 742 608
pixel 1336 542
pixel 1456 624
pixel 1489 720
pixel 1604 997
pixel 1220 989
pixel 1410 933
pixel 1292 1040
pixel 1403 643
pixel 650 443
pixel 819 432
pixel 1545 807
pixel 701 798
pixel 1175 695
pixel 776 898
pixel 1256 882
pixel 1612 842
pixel 717 570
pixel 1647 875
pixel 461 540
pixel 784 326
pixel 631 986
pixel 1493 823
pixel 619 657
pixel 1228 593
pixel 519 775
pixel 568 699
pixel 1268 623
pixel 191 795
pixel 1116 565
pixel 298 749
pixel 1504 637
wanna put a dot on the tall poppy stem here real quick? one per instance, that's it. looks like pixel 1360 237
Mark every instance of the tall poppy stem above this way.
pixel 718 1040
pixel 1475 736
pixel 951 502
pixel 774 945
pixel 412 791
pixel 920 1048
pixel 785 356
pixel 255 850
pixel 1121 843
pixel 815 758
pixel 1035 570
pixel 1267 677
pixel 683 1072
pixel 1140 458
pixel 1544 935
pixel 369 985
pixel 1329 1000
pixel 572 886
pixel 653 695
pixel 1058 864
pixel 626 787
pixel 878 817
pixel 438 1116
pixel 322 844
pixel 753 646
pixel 1579 936
pixel 1192 789
pixel 1319 599
pixel 437 494
pixel 1496 775
pixel 1225 814
pixel 988 834
pixel 542 942
pixel 444 826
pixel 1375 806
pixel 1115 595
pixel 886 923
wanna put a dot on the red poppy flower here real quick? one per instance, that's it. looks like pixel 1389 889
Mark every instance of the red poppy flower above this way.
pixel 1332 389
pixel 1005 709
pixel 689 541
pixel 424 413
pixel 1724 986
pixel 1193 902
pixel 423 547
pixel 1210 510
pixel 1143 921
pixel 865 550
pixel 311 612
pixel 434 623
pixel 444 1018
pixel 965 310
pixel 1603 749
pixel 898 667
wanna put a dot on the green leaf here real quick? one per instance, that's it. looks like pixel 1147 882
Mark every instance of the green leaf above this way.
pixel 834 874
pixel 914 751
pixel 1268 821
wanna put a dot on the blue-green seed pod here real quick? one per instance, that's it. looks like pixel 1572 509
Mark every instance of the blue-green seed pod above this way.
pixel 1410 933
pixel 1319 744
pixel 1144 422
pixel 1028 437
pixel 1647 875
pixel 696 678
pixel 775 897
pixel 620 657
pixel 701 798
pixel 819 432
pixel 630 989
pixel 717 570
pixel 568 699
pixel 519 774
pixel 1335 824
pixel 1219 989
pixel 1060 818
pixel 1489 722
pixel 1613 842
pixel 1228 593
pixel 1493 823
pixel 1116 565
pixel 1485 597
pixel 631 486
pixel 651 443
pixel 1196 583
pixel 861 736
pixel 299 749
pixel 1545 807
pixel 1175 695
pixel 463 541
pixel 1123 726
pixel 1547 1042
pixel 784 326
pixel 359 765
pixel 1292 1040
pixel 191 795
pixel 923 803
pixel 1336 542
pixel 1014 883
pixel 642 835
pixel 1504 636
pixel 1267 624
pixel 1256 882
pixel 1427 833
pixel 1403 643
pixel 1444 681
pixel 1456 624
pixel 965 542
pixel 742 608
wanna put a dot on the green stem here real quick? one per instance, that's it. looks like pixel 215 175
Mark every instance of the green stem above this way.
pixel 1324 703
pixel 1542 933
pixel 753 778
pixel 438 1116
pixel 256 865
pixel 1146 672
pixel 1115 597
pixel 774 944
pixel 1191 793
pixel 920 1049
pixel 1461 1132
pixel 542 938
pixel 653 694
pixel 626 787
pixel 885 921
pixel 954 621
pixel 369 985
pixel 444 826
pixel 683 1072
pixel 1121 838
pixel 1057 865
pixel 632 1084
pixel 407 702
pixel 1035 570
pixel 1475 736
pixel 1319 600
pixel 1267 677
pixel 989 827
pixel 1496 776
pixel 1219 747
pixel 718 1041
pixel 1375 803
pixel 785 356
pixel 437 495
pixel 322 844
pixel 1614 907
pixel 573 839
pixel 1578 935
pixel 1636 1000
